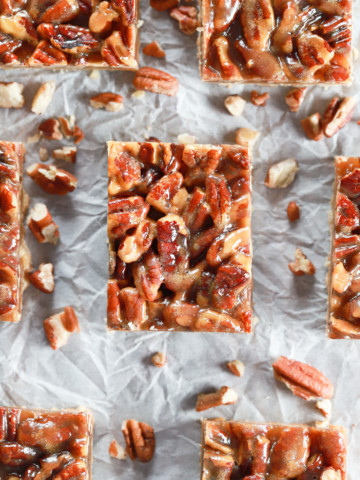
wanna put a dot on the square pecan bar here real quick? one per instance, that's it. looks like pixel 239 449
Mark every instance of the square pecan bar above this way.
pixel 43 444
pixel 276 42
pixel 14 256
pixel 69 33
pixel 179 228
pixel 251 451
pixel 344 284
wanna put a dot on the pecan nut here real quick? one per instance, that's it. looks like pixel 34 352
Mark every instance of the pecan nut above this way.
pixel 46 54
pixel 235 105
pixel 282 174
pixel 224 396
pixel 159 359
pixel 294 98
pixel 116 52
pixel 43 97
pixel 43 278
pixel 302 265
pixel 59 327
pixel 140 440
pixel 302 379
pixel 236 367
pixel 133 246
pixel 116 450
pixel 68 38
pixel 111 102
pixel 313 127
pixel 52 179
pixel 125 213
pixel 156 81
pixel 154 49
pixel 101 19
pixel 148 276
pixel 187 17
pixel 218 198
pixel 259 99
pixel 50 129
pixel 293 211
pixel 11 95
pixel 163 5
pixel 67 154
pixel 290 453
pixel 42 225
pixel 258 22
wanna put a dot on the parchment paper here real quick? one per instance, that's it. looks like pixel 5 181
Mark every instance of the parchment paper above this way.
pixel 112 373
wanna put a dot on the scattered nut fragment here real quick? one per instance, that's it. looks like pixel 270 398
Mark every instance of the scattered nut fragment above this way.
pixel 224 396
pixel 282 174
pixel 338 114
pixel 34 138
pixel 140 440
pixel 52 179
pixel 302 379
pixel 50 129
pixel 246 137
pixel 43 154
pixel 11 95
pixel 138 94
pixel 236 367
pixel 312 126
pixel 235 105
pixel 293 211
pixel 156 81
pixel 42 224
pixel 116 450
pixel 154 49
pixel 340 278
pixel 70 129
pixel 330 473
pixel 186 139
pixel 295 97
pixel 68 154
pixel 187 17
pixel 43 279
pixel 111 102
pixel 325 407
pixel 323 424
pixel 43 97
pixel 302 265
pixel 59 327
pixel 162 5
pixel 259 99
pixel 159 359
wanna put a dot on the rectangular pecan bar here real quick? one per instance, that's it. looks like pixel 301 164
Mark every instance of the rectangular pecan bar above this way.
pixel 43 444
pixel 255 451
pixel 344 284
pixel 14 255
pixel 69 33
pixel 276 42
pixel 179 228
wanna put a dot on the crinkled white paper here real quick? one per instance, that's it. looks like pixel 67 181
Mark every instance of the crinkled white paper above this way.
pixel 112 373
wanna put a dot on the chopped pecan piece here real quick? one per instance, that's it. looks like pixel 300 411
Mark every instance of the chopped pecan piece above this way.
pixel 43 279
pixel 101 19
pixel 11 95
pixel 116 52
pixel 325 407
pixel 313 127
pixel 224 396
pixel 46 54
pixel 153 49
pixel 302 379
pixel 163 5
pixel 140 440
pixel 166 195
pixel 42 224
pixel 293 211
pixel 68 154
pixel 116 450
pixel 59 327
pixel 156 81
pixel 338 114
pixel 282 174
pixel 159 359
pixel 258 22
pixel 236 367
pixel 181 313
pixel 133 246
pixel 134 307
pixel 50 129
pixel 235 105
pixel 125 173
pixel 148 276
pixel 218 198
pixel 20 26
pixel 212 321
pixel 43 97
pixel 246 137
pixel 111 102
pixel 52 179
pixel 340 278
pixel 69 38
pixel 259 99
pixel 294 98
pixel 229 281
pixel 302 265
pixel 187 17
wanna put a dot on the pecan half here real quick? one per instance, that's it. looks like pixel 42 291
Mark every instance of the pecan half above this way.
pixel 312 126
pixel 293 211
pixel 159 359
pixel 50 129
pixel 46 54
pixel 259 99
pixel 302 379
pixel 52 179
pixel 69 38
pixel 148 276
pixel 11 95
pixel 140 440
pixel 325 407
pixel 294 98
pixel 282 174
pixel 42 225
pixel 156 81
pixel 43 278
pixel 258 22
pixel 125 213
pixel 125 173
pixel 153 49
pixel 302 265
pixel 101 19
pixel 68 154
pixel 338 114
pixel 187 17
pixel 196 211
pixel 43 97
pixel 134 307
pixel 218 198
pixel 111 102
pixel 340 278
pixel 313 51
pixel 59 327
pixel 224 396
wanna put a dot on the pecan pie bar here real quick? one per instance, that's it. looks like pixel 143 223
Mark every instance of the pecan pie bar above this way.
pixel 344 290
pixel 69 33
pixel 179 228
pixel 250 451
pixel 43 444
pixel 276 42
pixel 14 255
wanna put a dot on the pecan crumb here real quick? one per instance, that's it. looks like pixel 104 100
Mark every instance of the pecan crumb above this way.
pixel 159 359
pixel 117 451
pixel 293 211
pixel 187 16
pixel 140 440
pixel 282 174
pixel 154 49
pixel 156 81
pixel 246 137
pixel 235 105
pixel 325 407
pixel 224 396
pixel 43 97
pixel 11 95
pixel 259 99
pixel 236 367
pixel 302 265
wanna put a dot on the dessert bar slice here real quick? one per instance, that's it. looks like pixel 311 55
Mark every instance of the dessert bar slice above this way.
pixel 41 444
pixel 14 255
pixel 69 33
pixel 250 451
pixel 179 228
pixel 269 41
pixel 344 285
